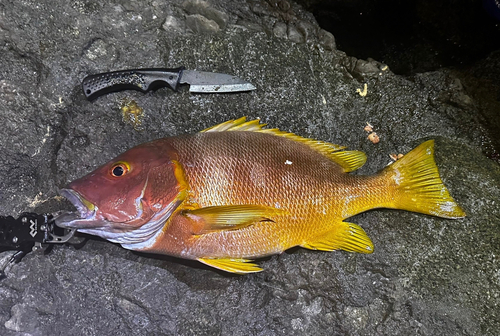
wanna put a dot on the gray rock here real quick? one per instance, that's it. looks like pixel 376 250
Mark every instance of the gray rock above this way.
pixel 295 35
pixel 174 24
pixel 307 30
pixel 250 25
pixel 200 24
pixel 280 30
pixel 427 276
pixel 327 39
pixel 203 8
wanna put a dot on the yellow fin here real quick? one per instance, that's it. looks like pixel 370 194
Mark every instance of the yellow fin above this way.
pixel 348 160
pixel 420 188
pixel 229 217
pixel 345 236
pixel 241 124
pixel 239 266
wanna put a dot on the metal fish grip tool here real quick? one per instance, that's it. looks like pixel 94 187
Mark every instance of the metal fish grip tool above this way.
pixel 27 233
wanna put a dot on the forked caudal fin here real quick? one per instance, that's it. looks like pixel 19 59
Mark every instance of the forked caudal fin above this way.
pixel 419 187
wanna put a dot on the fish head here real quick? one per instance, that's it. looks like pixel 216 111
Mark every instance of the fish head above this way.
pixel 137 189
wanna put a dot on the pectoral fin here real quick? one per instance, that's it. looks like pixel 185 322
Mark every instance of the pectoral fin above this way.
pixel 239 266
pixel 229 217
pixel 346 236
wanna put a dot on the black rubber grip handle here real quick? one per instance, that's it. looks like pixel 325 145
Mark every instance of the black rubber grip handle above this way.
pixel 134 79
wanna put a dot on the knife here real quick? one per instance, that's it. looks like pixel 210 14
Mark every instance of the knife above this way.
pixel 153 78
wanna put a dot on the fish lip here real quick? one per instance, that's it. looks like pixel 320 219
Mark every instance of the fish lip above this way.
pixel 79 202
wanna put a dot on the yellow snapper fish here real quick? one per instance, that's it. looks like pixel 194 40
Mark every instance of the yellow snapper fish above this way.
pixel 237 191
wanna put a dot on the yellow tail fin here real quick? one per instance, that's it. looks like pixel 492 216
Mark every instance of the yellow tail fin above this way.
pixel 420 188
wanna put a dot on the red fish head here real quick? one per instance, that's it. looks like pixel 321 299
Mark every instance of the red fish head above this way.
pixel 127 199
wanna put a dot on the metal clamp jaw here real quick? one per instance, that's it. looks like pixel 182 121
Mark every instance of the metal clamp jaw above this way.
pixel 27 233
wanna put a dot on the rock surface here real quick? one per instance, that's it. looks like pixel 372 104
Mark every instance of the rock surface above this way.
pixel 427 276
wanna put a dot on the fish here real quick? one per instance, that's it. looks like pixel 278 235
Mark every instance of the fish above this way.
pixel 239 191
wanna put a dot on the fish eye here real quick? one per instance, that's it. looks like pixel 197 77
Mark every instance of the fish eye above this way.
pixel 120 169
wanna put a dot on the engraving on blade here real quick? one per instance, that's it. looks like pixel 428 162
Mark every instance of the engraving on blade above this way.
pixel 210 82
pixel 221 88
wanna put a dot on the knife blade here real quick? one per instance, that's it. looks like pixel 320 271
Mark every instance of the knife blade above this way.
pixel 145 80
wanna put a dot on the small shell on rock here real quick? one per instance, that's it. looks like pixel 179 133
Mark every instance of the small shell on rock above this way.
pixel 368 127
pixel 396 157
pixel 373 137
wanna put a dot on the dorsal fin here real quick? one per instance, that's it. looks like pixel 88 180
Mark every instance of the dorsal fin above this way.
pixel 348 160
pixel 240 124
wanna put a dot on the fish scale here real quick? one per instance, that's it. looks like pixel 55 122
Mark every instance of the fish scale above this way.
pixel 295 187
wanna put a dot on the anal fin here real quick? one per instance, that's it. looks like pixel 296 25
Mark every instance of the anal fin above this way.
pixel 238 266
pixel 345 236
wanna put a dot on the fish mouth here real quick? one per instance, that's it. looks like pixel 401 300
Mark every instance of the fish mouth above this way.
pixel 85 208
pixel 86 216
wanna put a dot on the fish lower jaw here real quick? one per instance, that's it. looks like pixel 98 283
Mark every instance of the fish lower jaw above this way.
pixel 74 221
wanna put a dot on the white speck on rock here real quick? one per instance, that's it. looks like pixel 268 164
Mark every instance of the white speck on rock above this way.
pixel 297 323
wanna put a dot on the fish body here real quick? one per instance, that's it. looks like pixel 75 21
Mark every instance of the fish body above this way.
pixel 238 191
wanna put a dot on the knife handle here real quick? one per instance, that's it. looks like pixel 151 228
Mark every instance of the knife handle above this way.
pixel 142 80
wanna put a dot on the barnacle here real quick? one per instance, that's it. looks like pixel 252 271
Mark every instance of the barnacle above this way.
pixel 373 137
pixel 368 127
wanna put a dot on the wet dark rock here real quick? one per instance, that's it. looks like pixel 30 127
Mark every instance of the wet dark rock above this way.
pixel 99 49
pixel 174 24
pixel 280 30
pixel 295 35
pixel 203 8
pixel 307 30
pixel 79 141
pixel 251 25
pixel 361 69
pixel 327 39
pixel 200 24
pixel 427 276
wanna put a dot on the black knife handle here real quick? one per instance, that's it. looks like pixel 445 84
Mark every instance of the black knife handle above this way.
pixel 142 80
